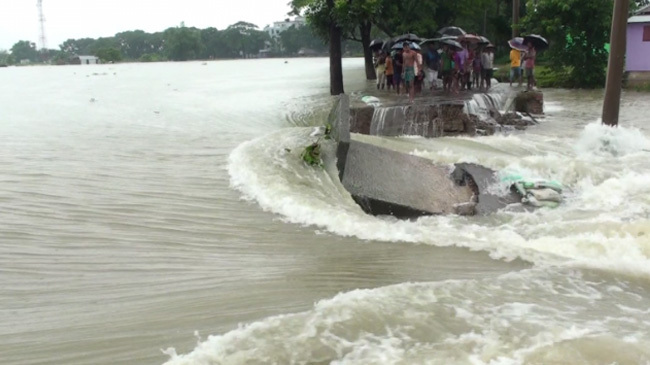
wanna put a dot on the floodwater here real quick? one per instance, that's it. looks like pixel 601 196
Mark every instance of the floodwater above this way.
pixel 159 213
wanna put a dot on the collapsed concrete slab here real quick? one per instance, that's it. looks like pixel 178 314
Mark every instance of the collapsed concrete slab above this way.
pixel 383 181
pixel 387 182
pixel 481 180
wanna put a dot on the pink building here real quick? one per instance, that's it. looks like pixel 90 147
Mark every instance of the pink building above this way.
pixel 638 47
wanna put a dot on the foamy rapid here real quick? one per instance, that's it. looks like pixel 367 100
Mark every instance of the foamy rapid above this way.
pixel 560 311
pixel 603 223
pixel 529 317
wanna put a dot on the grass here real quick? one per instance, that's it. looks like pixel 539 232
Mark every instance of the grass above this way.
pixel 545 77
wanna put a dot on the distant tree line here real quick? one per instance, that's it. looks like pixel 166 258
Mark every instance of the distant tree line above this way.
pixel 240 40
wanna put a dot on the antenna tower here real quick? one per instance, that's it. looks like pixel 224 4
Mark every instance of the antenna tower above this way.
pixel 41 19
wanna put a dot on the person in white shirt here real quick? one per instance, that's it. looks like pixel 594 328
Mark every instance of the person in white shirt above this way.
pixel 487 63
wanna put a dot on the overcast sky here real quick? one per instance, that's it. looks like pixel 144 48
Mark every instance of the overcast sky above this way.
pixel 103 18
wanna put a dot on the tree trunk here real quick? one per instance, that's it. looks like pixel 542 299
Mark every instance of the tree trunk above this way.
pixel 365 28
pixel 515 18
pixel 336 64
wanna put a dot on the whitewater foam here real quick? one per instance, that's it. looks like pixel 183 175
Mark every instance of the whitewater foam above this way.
pixel 603 222
pixel 518 318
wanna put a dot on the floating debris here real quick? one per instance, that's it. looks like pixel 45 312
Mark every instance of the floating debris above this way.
pixel 311 155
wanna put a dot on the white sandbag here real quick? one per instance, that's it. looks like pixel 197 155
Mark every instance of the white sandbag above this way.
pixel 546 195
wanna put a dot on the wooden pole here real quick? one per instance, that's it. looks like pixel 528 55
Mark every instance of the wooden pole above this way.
pixel 612 103
pixel 515 18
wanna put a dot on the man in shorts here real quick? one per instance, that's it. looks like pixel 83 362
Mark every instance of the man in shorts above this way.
pixel 408 71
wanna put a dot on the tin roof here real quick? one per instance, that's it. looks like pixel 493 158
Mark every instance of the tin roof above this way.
pixel 639 19
pixel 643 10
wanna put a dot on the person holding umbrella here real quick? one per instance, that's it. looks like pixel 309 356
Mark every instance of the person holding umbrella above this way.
pixel 397 67
pixel 380 70
pixel 432 61
pixel 389 72
pixel 529 63
pixel 534 43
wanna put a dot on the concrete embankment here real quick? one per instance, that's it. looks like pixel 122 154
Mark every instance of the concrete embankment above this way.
pixel 387 182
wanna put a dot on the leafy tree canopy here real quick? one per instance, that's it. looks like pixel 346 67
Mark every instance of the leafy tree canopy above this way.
pixel 577 31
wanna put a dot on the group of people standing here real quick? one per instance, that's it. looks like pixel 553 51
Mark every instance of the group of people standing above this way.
pixel 465 68
pixel 412 69
pixel 469 67
pixel 521 61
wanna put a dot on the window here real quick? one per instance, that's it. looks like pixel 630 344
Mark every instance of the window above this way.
pixel 646 33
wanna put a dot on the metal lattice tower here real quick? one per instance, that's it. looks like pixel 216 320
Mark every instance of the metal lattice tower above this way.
pixel 41 19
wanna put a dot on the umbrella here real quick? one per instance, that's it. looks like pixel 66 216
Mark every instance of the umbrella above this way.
pixel 538 41
pixel 436 41
pixel 518 44
pixel 453 31
pixel 452 43
pixel 407 37
pixel 470 38
pixel 400 45
pixel 376 44
pixel 484 40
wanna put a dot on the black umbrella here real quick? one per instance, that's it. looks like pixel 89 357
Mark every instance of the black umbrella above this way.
pixel 452 43
pixel 451 31
pixel 400 45
pixel 436 41
pixel 539 42
pixel 407 37
pixel 376 44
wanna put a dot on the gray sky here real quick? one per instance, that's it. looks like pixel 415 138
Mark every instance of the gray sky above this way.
pixel 103 18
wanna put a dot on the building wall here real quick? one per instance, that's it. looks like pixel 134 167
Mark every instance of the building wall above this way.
pixel 638 51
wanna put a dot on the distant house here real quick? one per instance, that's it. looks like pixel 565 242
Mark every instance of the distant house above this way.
pixel 84 60
pixel 307 52
pixel 638 47
pixel 279 27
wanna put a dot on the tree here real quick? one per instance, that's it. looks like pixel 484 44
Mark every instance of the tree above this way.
pixel 577 31
pixel 358 16
pixel 6 58
pixel 24 50
pixel 322 18
pixel 134 44
pixel 295 38
pixel 109 54
pixel 81 46
pixel 243 39
pixel 183 43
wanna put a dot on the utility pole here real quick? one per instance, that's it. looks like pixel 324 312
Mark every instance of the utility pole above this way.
pixel 515 18
pixel 618 42
pixel 41 20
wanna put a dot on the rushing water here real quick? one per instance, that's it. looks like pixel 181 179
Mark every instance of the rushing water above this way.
pixel 154 213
